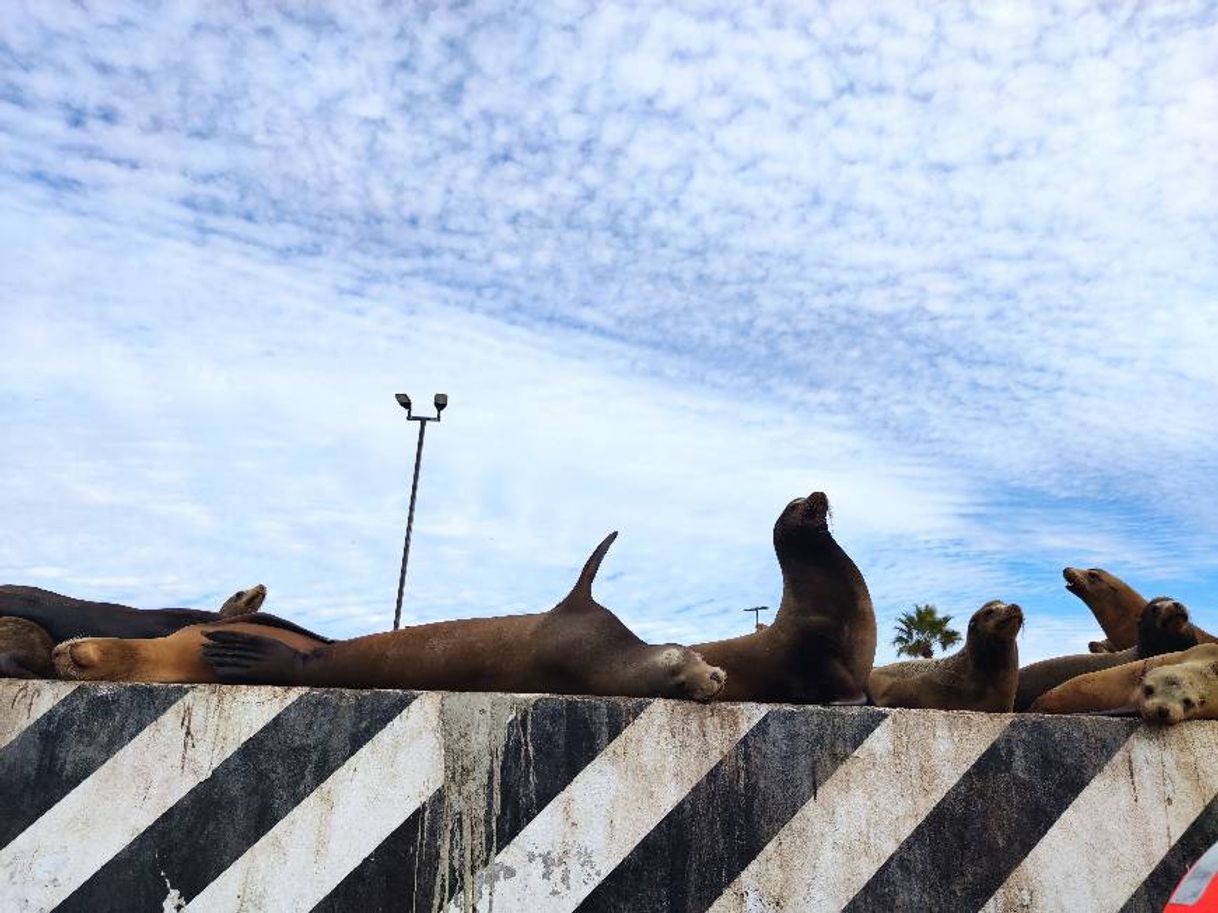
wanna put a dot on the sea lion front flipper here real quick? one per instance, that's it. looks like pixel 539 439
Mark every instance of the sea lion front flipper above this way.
pixel 239 658
pixel 580 596
pixel 244 602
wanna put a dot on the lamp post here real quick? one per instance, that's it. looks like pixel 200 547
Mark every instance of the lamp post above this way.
pixel 757 610
pixel 440 402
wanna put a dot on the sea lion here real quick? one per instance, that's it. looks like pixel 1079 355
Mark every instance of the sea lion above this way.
pixel 1114 603
pixel 1163 628
pixel 1113 689
pixel 174 659
pixel 25 650
pixel 821 644
pixel 65 618
pixel 1181 691
pixel 577 647
pixel 980 676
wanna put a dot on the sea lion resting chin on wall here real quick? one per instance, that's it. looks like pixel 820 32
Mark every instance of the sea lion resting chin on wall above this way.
pixel 981 676
pixel 1180 691
pixel 1115 689
pixel 821 645
pixel 577 647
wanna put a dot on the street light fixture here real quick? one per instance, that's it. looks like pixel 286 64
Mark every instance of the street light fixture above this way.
pixel 757 610
pixel 440 401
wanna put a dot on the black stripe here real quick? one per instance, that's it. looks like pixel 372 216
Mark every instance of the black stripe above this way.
pixel 968 844
pixel 1198 837
pixel 246 795
pixel 68 743
pixel 687 860
pixel 546 746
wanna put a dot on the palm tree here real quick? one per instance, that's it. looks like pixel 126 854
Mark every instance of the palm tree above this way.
pixel 920 630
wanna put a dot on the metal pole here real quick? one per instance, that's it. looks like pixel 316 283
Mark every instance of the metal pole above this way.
pixel 414 490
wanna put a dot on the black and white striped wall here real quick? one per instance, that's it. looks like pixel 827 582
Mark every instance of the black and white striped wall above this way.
pixel 146 797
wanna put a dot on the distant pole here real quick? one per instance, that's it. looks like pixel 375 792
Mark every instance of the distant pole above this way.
pixel 757 610
pixel 440 402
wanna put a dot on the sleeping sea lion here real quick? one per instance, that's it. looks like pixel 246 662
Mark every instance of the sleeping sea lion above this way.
pixel 25 650
pixel 65 618
pixel 174 659
pixel 1163 628
pixel 981 676
pixel 1113 689
pixel 821 644
pixel 1181 691
pixel 577 647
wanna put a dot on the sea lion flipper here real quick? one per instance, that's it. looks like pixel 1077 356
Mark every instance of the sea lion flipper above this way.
pixel 241 658
pixel 581 594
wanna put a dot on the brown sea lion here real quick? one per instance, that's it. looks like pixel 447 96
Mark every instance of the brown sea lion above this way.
pixel 1181 691
pixel 174 659
pixel 578 647
pixel 1163 628
pixel 25 650
pixel 1113 689
pixel 980 676
pixel 821 644
pixel 65 618
pixel 1114 603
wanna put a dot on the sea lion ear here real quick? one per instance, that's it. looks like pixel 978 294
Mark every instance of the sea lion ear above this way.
pixel 582 591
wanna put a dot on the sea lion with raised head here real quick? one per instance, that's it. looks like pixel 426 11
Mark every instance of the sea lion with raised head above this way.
pixel 25 650
pixel 1115 604
pixel 1114 689
pixel 1181 691
pixel 821 644
pixel 65 618
pixel 980 676
pixel 577 647
pixel 1163 628
pixel 176 658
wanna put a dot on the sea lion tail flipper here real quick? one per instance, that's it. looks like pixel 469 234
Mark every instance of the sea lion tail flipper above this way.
pixel 244 602
pixel 241 658
pixel 583 586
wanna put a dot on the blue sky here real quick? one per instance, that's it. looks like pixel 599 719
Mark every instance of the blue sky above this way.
pixel 955 265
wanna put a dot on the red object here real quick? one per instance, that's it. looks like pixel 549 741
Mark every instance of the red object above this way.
pixel 1197 891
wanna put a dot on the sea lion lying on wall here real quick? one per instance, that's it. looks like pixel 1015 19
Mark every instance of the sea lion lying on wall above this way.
pixel 174 659
pixel 821 644
pixel 980 676
pixel 1115 689
pixel 65 618
pixel 1163 628
pixel 577 647
pixel 1181 691
pixel 25 650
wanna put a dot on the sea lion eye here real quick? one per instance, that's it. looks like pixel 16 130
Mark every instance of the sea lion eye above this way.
pixel 1148 690
pixel 1188 703
pixel 1093 575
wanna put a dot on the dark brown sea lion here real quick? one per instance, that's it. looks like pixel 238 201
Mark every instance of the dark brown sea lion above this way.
pixel 821 644
pixel 578 647
pixel 980 676
pixel 1114 603
pixel 1113 689
pixel 65 618
pixel 176 658
pixel 25 650
pixel 1178 692
pixel 1163 628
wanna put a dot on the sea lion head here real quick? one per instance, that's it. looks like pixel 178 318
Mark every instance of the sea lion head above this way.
pixel 1173 693
pixel 1088 583
pixel 803 522
pixel 95 659
pixel 671 670
pixel 244 602
pixel 996 621
pixel 1164 628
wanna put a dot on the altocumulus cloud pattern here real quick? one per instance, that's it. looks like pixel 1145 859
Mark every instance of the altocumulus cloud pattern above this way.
pixel 675 265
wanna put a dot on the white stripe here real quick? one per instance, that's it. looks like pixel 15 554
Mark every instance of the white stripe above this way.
pixel 612 804
pixel 866 808
pixel 1120 826
pixel 304 856
pixel 22 701
pixel 142 780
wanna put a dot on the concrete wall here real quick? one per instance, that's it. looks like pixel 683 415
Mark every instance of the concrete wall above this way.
pixel 144 797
